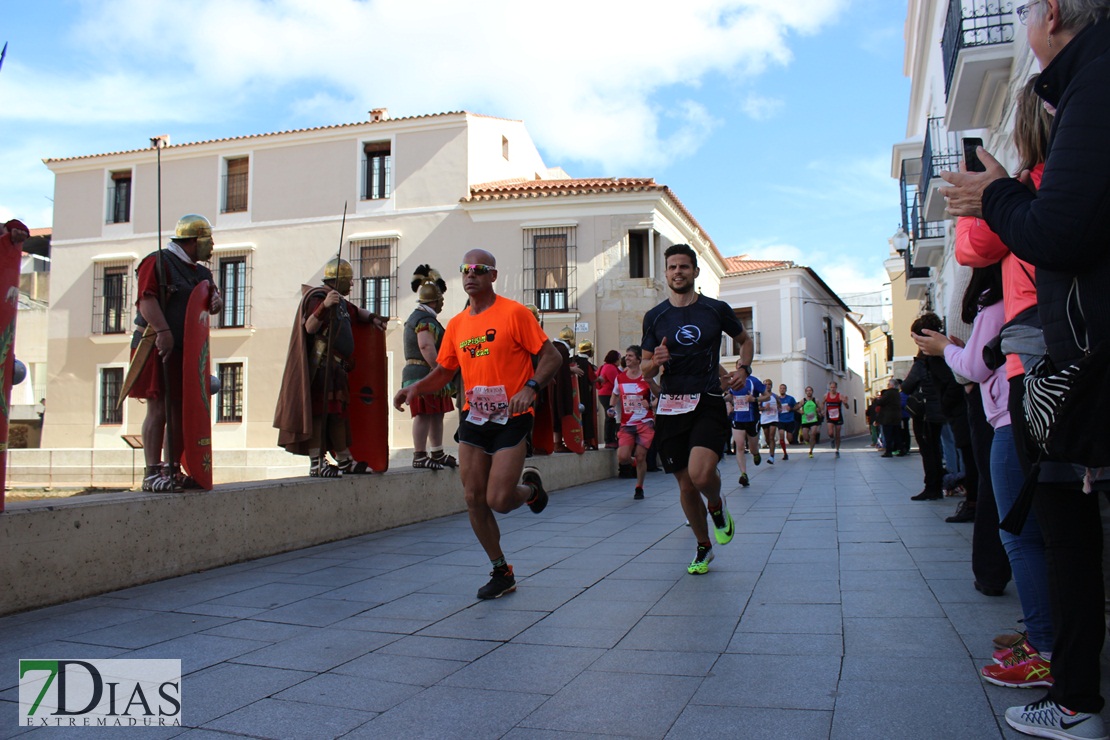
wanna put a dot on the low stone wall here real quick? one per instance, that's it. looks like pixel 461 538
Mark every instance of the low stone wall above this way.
pixel 55 551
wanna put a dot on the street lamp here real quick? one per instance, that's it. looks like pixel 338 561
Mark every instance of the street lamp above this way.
pixel 900 241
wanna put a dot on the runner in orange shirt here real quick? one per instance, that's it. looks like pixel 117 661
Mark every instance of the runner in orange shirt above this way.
pixel 493 342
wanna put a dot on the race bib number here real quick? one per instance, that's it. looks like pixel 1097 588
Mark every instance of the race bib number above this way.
pixel 488 403
pixel 834 413
pixel 635 408
pixel 677 403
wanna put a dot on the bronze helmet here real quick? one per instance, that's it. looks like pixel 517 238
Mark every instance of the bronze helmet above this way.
pixel 341 272
pixel 195 226
pixel 428 285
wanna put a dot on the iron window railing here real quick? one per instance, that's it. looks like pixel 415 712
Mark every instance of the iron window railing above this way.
pixel 923 229
pixel 913 273
pixel 111 309
pixel 235 288
pixel 111 384
pixel 972 23
pixel 941 151
pixel 229 406
pixel 375 267
pixel 377 170
pixel 235 192
pixel 550 268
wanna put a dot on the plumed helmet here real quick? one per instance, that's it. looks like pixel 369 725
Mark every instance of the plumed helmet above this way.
pixel 428 284
pixel 586 347
pixel 567 334
pixel 338 268
pixel 534 309
pixel 192 226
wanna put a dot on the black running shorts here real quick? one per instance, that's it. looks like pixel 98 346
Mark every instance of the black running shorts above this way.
pixel 706 426
pixel 492 437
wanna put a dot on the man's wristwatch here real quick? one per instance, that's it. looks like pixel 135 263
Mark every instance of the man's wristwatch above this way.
pixel 746 368
pixel 533 385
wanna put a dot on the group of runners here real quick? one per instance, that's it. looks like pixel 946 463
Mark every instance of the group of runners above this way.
pixel 505 359
pixel 754 407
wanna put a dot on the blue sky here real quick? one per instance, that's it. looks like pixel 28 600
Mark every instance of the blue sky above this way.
pixel 773 122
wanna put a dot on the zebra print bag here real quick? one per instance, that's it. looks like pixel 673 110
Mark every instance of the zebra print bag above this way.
pixel 1066 410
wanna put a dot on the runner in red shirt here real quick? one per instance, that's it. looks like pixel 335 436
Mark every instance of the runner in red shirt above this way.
pixel 833 407
pixel 632 393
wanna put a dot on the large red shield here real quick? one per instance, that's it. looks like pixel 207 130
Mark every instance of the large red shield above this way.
pixel 369 408
pixel 572 423
pixel 196 400
pixel 9 307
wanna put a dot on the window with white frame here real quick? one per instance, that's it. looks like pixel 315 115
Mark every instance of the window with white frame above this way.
pixel 119 198
pixel 377 170
pixel 112 298
pixel 745 316
pixel 236 184
pixel 375 268
pixel 229 404
pixel 111 386
pixel 550 267
pixel 838 345
pixel 233 275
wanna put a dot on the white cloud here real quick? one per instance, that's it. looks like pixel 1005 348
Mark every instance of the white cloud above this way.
pixel 568 69
pixel 761 108
pixel 594 81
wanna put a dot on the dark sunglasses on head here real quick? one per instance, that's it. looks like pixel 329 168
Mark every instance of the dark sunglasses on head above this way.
pixel 476 269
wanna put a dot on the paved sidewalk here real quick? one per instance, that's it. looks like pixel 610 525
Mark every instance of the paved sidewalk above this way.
pixel 842 609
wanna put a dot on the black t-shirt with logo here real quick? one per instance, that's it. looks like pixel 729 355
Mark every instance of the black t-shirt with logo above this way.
pixel 693 336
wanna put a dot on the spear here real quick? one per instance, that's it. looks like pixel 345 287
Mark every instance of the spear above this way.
pixel 331 331
pixel 160 270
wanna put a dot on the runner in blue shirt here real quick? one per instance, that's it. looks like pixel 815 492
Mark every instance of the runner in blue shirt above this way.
pixel 786 417
pixel 745 417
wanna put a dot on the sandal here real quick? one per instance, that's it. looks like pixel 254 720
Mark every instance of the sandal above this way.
pixel 157 481
pixel 351 466
pixel 445 460
pixel 321 468
pixel 426 462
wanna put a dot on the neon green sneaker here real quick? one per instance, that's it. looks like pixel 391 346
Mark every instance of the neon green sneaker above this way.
pixel 700 565
pixel 723 525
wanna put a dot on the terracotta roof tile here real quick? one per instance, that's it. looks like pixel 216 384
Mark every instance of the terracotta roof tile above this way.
pixel 272 133
pixel 520 189
pixel 742 265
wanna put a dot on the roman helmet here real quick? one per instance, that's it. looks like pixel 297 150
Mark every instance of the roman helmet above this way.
pixel 194 226
pixel 535 311
pixel 340 271
pixel 566 334
pixel 586 347
pixel 429 286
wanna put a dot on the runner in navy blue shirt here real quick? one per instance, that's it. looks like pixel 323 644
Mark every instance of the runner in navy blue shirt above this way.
pixel 682 340
pixel 786 417
pixel 745 422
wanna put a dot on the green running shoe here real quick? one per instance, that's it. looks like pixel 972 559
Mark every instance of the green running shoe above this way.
pixel 700 565
pixel 723 525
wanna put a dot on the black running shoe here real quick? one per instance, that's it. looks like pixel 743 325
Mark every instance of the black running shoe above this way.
pixel 639 493
pixel 538 502
pixel 500 583
pixel 744 480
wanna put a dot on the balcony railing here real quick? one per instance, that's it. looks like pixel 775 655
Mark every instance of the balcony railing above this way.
pixel 913 273
pixel 923 229
pixel 940 152
pixel 974 23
